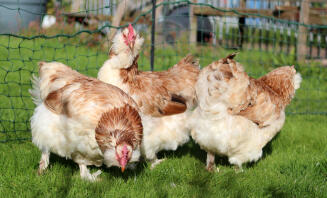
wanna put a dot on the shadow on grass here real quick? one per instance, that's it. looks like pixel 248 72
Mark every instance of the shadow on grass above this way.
pixel 67 173
pixel 190 148
pixel 266 151
pixel 128 173
pixel 201 180
pixel 199 183
pixel 193 149
pixel 113 171
pixel 276 191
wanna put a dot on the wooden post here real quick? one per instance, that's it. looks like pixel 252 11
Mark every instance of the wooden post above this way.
pixel 303 32
pixel 153 30
pixel 158 11
pixel 121 9
pixel 76 6
pixel 241 25
pixel 193 25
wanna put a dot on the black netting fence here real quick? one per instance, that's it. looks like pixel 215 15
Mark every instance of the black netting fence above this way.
pixel 266 33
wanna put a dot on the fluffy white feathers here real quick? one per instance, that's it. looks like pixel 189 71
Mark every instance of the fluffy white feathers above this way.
pixel 222 88
pixel 83 119
pixel 151 91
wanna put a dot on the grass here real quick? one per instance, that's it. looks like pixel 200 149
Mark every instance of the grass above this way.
pixel 294 163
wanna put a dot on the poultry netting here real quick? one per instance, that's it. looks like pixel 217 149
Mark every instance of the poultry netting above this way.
pixel 80 39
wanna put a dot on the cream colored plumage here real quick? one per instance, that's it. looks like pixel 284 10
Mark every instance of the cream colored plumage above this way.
pixel 83 119
pixel 154 92
pixel 227 122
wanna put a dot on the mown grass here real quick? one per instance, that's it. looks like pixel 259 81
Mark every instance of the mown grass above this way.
pixel 294 163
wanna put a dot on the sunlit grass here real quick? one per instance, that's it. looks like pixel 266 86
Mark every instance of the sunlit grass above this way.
pixel 294 165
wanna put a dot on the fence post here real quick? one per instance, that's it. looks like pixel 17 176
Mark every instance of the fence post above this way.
pixel 153 32
pixel 120 11
pixel 193 25
pixel 303 31
pixel 76 6
pixel 241 25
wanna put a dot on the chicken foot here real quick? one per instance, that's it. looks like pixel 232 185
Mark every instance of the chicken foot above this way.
pixel 156 162
pixel 85 173
pixel 44 162
pixel 238 169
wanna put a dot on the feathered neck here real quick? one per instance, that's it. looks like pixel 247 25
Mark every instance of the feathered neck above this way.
pixel 119 61
pixel 129 74
pixel 110 71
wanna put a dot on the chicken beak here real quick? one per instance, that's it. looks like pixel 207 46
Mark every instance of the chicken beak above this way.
pixel 122 169
pixel 131 45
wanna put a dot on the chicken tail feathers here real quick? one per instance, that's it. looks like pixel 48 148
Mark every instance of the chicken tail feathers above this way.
pixel 284 81
pixel 189 59
pixel 173 108
pixel 230 56
pixel 35 91
pixel 297 80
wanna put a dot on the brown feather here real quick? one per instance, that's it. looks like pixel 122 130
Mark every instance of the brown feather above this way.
pixel 112 53
pixel 53 102
pixel 99 106
pixel 173 108
pixel 119 125
pixel 280 81
pixel 155 92
pixel 261 99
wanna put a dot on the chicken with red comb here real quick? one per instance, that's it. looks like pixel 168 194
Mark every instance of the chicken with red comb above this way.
pixel 83 119
pixel 165 98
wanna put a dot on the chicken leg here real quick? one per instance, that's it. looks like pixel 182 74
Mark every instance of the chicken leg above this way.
pixel 156 162
pixel 211 162
pixel 44 162
pixel 238 169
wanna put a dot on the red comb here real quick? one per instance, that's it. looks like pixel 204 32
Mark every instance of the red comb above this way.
pixel 130 32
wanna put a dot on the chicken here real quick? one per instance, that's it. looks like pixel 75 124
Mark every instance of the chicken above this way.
pixel 238 115
pixel 83 119
pixel 164 98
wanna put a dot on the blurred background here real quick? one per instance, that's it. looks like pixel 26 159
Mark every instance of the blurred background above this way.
pixel 267 33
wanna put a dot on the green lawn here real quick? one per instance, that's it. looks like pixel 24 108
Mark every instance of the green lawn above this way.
pixel 294 163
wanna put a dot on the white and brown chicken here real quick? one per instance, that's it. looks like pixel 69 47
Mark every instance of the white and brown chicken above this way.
pixel 238 115
pixel 164 98
pixel 83 119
